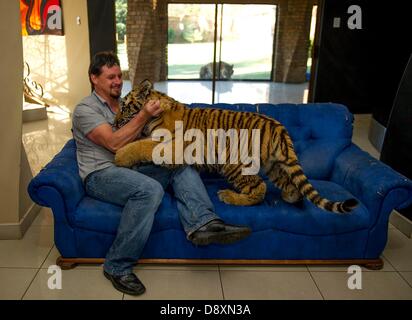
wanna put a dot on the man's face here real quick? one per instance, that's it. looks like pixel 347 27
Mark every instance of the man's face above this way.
pixel 109 82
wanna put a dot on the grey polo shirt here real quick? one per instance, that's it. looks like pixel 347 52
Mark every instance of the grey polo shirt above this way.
pixel 91 112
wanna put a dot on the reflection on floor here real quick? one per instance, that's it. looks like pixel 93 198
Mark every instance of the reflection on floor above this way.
pixel 43 139
pixel 24 263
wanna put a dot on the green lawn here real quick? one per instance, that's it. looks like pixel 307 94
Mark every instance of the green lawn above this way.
pixel 250 70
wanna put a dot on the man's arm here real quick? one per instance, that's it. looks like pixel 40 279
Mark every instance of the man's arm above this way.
pixel 104 136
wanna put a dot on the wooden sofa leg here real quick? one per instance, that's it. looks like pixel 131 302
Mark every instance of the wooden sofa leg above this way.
pixel 376 265
pixel 65 264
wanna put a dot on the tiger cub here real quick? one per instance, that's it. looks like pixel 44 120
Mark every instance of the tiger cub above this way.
pixel 226 71
pixel 277 154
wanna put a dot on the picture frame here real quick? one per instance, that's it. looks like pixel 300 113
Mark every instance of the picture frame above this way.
pixel 41 17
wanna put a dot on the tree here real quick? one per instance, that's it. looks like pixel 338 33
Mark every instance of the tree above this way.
pixel 121 16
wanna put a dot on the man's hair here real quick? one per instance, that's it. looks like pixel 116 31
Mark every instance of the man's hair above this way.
pixel 101 59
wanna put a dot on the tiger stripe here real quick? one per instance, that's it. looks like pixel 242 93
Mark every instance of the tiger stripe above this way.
pixel 278 156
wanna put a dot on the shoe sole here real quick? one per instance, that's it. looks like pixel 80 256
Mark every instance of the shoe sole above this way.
pixel 221 238
pixel 122 289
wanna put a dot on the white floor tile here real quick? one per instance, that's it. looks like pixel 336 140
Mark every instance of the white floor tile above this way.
pixel 268 286
pixel 44 139
pixel 75 285
pixel 374 286
pixel 179 284
pixel 408 277
pixel 44 218
pixel 14 282
pixel 29 252
pixel 51 258
pixel 398 250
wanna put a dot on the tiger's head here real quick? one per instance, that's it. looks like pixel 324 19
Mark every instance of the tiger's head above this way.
pixel 134 101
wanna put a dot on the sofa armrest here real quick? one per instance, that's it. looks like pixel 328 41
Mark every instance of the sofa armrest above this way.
pixel 61 174
pixel 375 184
pixel 58 186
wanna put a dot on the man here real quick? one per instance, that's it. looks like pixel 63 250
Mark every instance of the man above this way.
pixel 139 190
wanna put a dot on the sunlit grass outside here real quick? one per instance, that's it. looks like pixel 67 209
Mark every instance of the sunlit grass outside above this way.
pixel 250 62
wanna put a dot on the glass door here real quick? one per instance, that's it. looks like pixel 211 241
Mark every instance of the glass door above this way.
pixel 190 47
pixel 241 48
pixel 247 40
pixel 245 52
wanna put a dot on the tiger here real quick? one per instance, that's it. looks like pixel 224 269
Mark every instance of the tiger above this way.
pixel 226 71
pixel 277 154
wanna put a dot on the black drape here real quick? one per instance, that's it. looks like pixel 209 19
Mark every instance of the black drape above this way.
pixel 102 25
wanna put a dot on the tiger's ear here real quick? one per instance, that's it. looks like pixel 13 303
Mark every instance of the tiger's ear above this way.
pixel 142 90
pixel 146 85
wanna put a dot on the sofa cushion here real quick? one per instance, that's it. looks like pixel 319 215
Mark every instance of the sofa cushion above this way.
pixel 272 214
pixel 95 215
pixel 276 214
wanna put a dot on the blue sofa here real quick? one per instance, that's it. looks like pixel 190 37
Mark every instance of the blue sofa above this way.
pixel 282 233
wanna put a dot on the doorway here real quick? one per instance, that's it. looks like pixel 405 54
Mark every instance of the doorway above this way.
pixel 260 51
pixel 241 29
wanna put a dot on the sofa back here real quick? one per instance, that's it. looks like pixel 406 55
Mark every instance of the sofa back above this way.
pixel 320 131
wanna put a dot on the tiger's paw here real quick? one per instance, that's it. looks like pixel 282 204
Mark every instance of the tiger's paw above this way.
pixel 228 196
pixel 237 199
pixel 125 158
pixel 126 162
pixel 293 197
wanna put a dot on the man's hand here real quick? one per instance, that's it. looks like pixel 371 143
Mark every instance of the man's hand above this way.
pixel 113 141
pixel 152 108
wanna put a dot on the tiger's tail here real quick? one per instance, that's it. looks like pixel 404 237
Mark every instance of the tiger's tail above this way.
pixel 306 189
pixel 284 157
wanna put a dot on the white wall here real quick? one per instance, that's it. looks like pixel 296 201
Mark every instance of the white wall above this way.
pixel 11 99
pixel 60 63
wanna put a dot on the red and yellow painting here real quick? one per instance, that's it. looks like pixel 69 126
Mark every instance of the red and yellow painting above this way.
pixel 41 17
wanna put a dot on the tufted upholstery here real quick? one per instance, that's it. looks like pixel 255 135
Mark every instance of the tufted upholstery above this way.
pixel 86 227
pixel 69 183
pixel 322 129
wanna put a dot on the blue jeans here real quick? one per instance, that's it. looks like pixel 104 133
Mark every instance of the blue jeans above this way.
pixel 140 190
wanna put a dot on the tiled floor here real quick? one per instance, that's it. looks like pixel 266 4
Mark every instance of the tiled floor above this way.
pixel 24 264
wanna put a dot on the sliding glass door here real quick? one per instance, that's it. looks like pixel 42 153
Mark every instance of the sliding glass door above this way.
pixel 247 36
pixel 190 39
pixel 237 39
pixel 244 41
